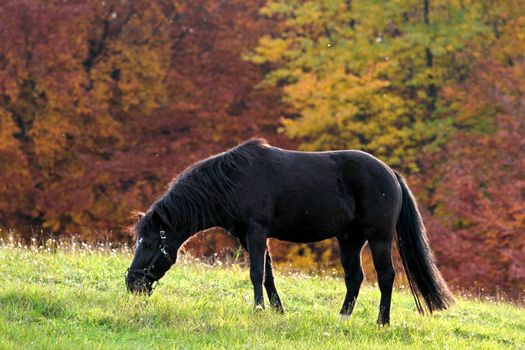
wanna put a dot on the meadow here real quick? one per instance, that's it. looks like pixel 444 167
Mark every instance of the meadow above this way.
pixel 76 298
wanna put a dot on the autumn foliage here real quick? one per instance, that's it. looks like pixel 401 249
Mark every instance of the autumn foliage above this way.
pixel 103 102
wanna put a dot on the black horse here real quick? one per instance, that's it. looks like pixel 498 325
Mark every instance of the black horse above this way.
pixel 256 191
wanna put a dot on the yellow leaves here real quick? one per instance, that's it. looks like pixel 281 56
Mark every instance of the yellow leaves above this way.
pixel 49 136
pixel 269 50
pixel 9 87
pixel 72 89
pixel 12 161
pixel 131 75
pixel 367 74
pixel 301 256
pixel 512 41
pixel 142 79
pixel 7 130
pixel 343 110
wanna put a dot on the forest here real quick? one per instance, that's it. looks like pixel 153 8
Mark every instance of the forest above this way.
pixel 102 103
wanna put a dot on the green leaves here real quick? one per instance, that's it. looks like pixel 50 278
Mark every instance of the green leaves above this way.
pixel 366 74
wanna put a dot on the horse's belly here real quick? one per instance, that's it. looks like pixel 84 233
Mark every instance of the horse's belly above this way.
pixel 302 237
pixel 308 227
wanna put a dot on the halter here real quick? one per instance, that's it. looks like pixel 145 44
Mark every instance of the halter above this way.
pixel 162 251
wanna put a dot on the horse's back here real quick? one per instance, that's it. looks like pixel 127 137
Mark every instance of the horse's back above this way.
pixel 310 196
pixel 373 186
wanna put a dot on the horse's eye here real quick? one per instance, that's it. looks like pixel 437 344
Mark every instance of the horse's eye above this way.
pixel 144 244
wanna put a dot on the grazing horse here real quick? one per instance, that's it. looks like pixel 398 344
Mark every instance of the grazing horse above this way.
pixel 256 191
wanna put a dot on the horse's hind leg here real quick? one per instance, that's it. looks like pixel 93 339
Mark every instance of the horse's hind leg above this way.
pixel 256 243
pixel 382 256
pixel 350 255
pixel 269 284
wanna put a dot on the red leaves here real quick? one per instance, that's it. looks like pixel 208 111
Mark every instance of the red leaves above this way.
pixel 482 191
pixel 101 103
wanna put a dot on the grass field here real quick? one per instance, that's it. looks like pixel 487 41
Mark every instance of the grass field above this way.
pixel 77 300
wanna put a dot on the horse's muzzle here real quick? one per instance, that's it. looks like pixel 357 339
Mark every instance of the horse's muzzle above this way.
pixel 139 284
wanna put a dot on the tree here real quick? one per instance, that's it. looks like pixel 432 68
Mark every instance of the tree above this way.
pixel 367 75
pixel 101 103
pixel 480 198
pixel 71 74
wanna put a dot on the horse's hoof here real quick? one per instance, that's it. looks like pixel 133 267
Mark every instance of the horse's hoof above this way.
pixel 279 310
pixel 258 308
pixel 344 317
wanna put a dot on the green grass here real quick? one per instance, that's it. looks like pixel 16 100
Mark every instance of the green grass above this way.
pixel 67 300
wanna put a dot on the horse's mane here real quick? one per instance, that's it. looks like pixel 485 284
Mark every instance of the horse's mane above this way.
pixel 199 190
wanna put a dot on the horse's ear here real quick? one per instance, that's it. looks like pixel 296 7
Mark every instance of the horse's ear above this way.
pixel 136 214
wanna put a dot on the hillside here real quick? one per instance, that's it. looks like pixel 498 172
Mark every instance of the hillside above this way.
pixel 67 300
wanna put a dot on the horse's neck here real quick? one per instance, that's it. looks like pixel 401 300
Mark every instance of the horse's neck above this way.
pixel 193 228
pixel 203 219
pixel 222 219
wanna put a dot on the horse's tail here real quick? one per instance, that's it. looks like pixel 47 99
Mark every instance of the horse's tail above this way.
pixel 428 287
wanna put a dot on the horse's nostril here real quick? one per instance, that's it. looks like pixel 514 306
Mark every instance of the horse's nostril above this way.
pixel 139 286
pixel 130 280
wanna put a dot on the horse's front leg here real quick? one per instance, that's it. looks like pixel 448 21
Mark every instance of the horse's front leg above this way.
pixel 269 284
pixel 256 243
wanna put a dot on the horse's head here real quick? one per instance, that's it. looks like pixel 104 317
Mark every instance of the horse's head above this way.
pixel 155 253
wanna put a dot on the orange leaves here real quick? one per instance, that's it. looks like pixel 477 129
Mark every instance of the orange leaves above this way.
pixel 483 185
pixel 64 102
pixel 437 89
pixel 367 76
pixel 102 102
